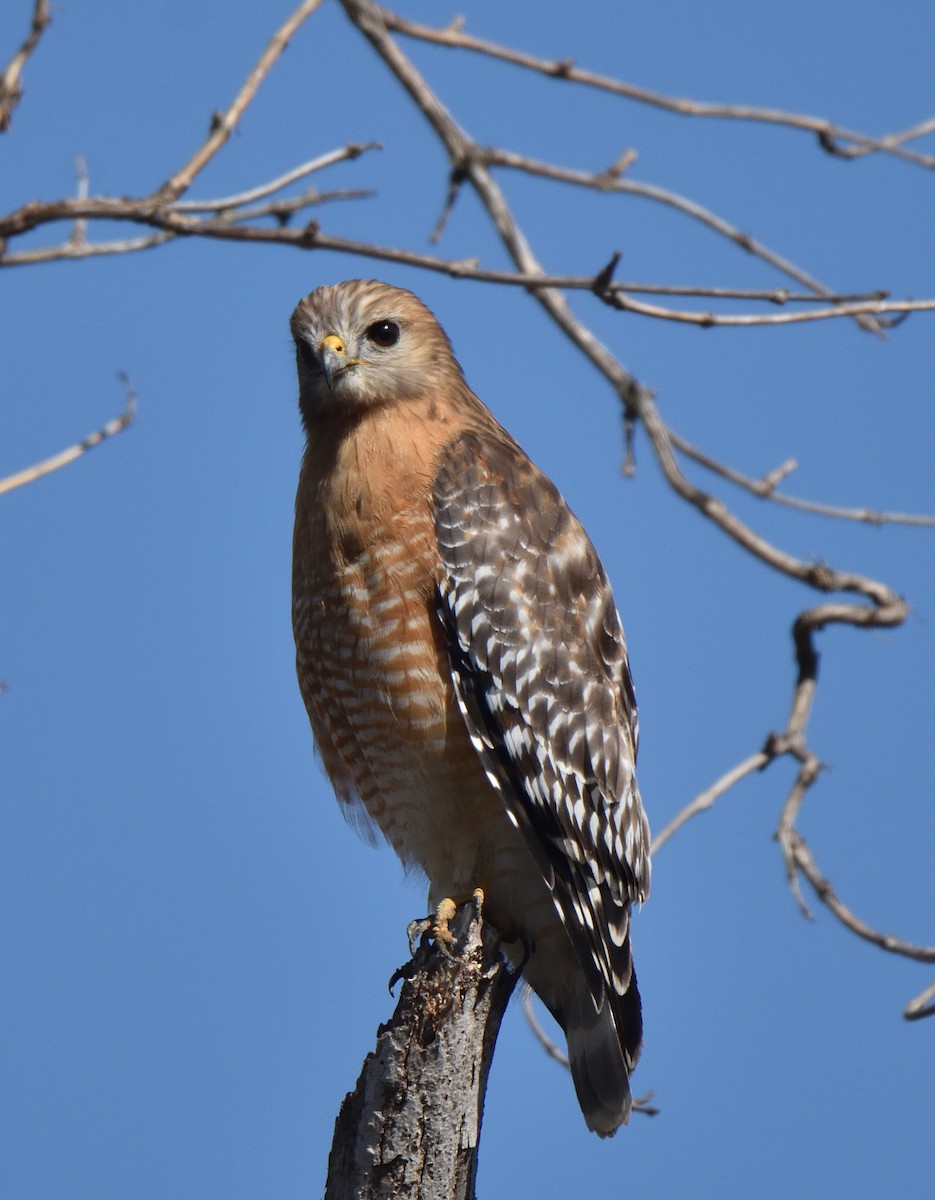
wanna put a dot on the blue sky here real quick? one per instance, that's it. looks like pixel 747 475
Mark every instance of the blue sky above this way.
pixel 195 947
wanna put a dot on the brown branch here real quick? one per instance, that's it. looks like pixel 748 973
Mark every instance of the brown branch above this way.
pixel 830 135
pixel 797 856
pixel 69 250
pixel 706 799
pixel 139 211
pixel 412 1125
pixel 11 89
pixel 174 221
pixel 708 320
pixel 609 181
pixel 888 141
pixel 886 607
pixel 179 218
pixel 800 861
pixel 765 489
pixel 552 1050
pixel 881 606
pixel 921 1006
pixel 779 296
pixel 468 157
pixel 224 124
pixel 346 153
pixel 284 210
pixel 57 461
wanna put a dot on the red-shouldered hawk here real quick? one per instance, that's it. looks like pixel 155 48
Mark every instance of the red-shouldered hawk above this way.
pixel 464 667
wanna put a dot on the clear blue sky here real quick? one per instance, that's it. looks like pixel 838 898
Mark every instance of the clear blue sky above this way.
pixel 195 947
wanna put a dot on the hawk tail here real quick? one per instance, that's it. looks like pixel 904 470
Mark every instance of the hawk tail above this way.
pixel 603 1046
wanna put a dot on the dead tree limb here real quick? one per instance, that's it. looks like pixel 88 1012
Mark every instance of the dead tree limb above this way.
pixel 411 1127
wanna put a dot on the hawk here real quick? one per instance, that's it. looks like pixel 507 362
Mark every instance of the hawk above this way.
pixel 464 667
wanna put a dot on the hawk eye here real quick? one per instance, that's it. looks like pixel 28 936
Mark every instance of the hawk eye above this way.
pixel 383 333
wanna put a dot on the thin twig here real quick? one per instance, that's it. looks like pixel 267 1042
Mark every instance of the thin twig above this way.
pixel 284 210
pixel 706 799
pixel 68 250
pixel 223 124
pixel 886 608
pixel 349 152
pixel 709 320
pixel 829 134
pixel 880 607
pixel 227 223
pixel 172 221
pixel 921 1006
pixel 555 1052
pixel 11 89
pixel 801 860
pixel 79 234
pixel 57 461
pixel 608 181
pixel 281 210
pixel 765 489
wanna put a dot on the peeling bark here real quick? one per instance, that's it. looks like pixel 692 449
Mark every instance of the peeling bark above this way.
pixel 411 1127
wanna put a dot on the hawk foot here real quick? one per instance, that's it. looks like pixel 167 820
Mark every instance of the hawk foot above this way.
pixel 436 927
pixel 433 930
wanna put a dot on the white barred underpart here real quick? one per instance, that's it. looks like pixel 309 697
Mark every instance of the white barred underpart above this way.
pixel 542 679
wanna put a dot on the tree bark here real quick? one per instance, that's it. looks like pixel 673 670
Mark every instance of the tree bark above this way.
pixel 411 1127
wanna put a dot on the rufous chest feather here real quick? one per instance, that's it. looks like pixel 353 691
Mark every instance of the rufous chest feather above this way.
pixel 365 569
pixel 365 498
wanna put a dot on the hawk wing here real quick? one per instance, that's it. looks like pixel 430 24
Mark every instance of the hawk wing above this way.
pixel 539 664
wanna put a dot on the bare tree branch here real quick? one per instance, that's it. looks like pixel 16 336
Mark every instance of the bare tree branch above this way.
pixel 609 181
pixel 412 1125
pixel 349 152
pixel 163 210
pixel 710 320
pixel 175 220
pixel 57 461
pixel 881 607
pixel 11 89
pixel 765 489
pixel 223 124
pixel 800 860
pixel 921 1006
pixel 706 799
pixel 830 135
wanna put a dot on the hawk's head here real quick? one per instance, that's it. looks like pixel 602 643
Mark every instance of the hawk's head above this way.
pixel 363 343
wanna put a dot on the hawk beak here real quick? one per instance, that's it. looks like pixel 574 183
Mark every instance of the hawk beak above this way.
pixel 334 360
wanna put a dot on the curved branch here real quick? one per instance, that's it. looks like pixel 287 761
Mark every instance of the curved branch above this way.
pixel 224 124
pixel 764 488
pixel 609 181
pixel 346 153
pixel 829 135
pixel 706 799
pixel 11 89
pixel 880 607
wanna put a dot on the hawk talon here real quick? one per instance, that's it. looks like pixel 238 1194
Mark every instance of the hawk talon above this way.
pixel 419 933
pixel 406 971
